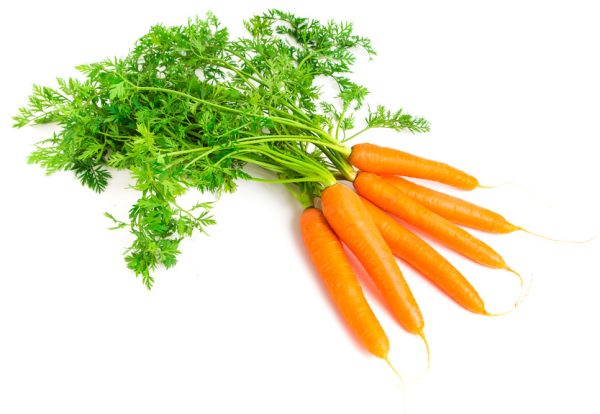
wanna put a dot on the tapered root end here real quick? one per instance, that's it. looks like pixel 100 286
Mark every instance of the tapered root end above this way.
pixel 487 187
pixel 521 281
pixel 422 335
pixel 523 293
pixel 518 303
pixel 389 364
pixel 559 240
pixel 486 313
pixel 524 289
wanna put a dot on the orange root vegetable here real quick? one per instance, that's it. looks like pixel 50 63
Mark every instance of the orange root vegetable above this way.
pixel 331 262
pixel 389 198
pixel 388 161
pixel 454 209
pixel 419 254
pixel 349 218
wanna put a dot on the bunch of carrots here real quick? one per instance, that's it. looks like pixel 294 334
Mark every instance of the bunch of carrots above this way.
pixel 365 221
pixel 189 107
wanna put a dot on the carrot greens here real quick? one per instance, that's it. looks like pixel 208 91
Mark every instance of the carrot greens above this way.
pixel 190 107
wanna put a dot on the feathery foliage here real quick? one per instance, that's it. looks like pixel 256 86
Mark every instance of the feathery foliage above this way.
pixel 189 107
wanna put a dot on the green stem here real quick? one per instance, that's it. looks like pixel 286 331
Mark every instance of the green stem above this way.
pixel 284 121
pixel 246 61
pixel 287 180
pixel 190 151
pixel 200 157
pixel 357 134
pixel 311 54
pixel 292 138
pixel 337 128
pixel 340 162
pixel 119 137
pixel 187 96
pixel 265 165
pixel 226 65
pixel 262 139
pixel 295 164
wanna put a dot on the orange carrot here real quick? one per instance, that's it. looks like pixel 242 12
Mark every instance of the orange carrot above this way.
pixel 328 256
pixel 419 254
pixel 350 220
pixel 389 161
pixel 454 209
pixel 386 196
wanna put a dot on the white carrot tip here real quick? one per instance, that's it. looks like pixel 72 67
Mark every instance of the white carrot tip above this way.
pixel 521 281
pixel 422 335
pixel 389 364
pixel 495 185
pixel 559 240
pixel 520 299
pixel 426 370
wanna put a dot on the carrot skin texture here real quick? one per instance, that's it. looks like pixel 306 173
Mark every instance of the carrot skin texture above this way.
pixel 419 254
pixel 350 220
pixel 387 197
pixel 389 161
pixel 331 262
pixel 454 209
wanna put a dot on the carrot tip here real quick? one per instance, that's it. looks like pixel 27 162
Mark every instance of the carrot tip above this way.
pixel 524 294
pixel 422 335
pixel 520 299
pixel 521 281
pixel 389 364
pixel 502 313
pixel 524 291
pixel 559 240
pixel 486 187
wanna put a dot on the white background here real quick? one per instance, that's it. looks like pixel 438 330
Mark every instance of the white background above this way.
pixel 242 324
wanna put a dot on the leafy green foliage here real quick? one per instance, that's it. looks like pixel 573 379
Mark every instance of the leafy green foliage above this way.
pixel 399 120
pixel 188 107
pixel 159 225
pixel 91 175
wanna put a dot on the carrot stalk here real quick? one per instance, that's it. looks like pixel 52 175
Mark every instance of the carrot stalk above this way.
pixel 419 254
pixel 386 196
pixel 389 161
pixel 331 262
pixel 454 209
pixel 350 220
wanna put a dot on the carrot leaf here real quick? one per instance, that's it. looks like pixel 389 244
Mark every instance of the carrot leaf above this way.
pixel 191 107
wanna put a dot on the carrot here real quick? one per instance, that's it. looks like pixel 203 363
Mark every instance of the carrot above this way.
pixel 389 161
pixel 454 209
pixel 328 256
pixel 389 198
pixel 419 254
pixel 350 220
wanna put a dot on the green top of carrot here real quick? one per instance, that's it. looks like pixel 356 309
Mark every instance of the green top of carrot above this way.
pixel 189 107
